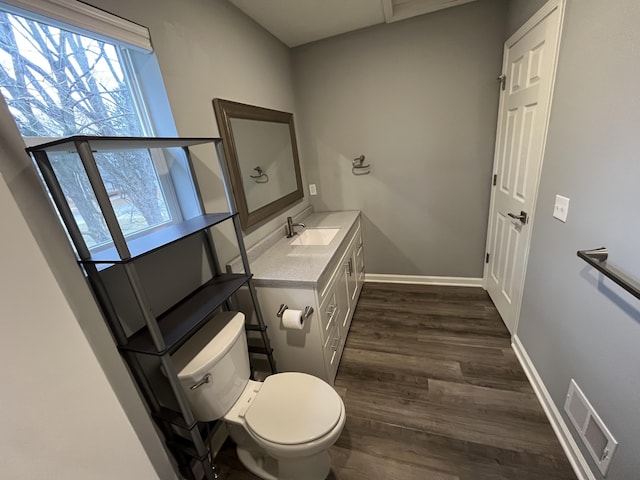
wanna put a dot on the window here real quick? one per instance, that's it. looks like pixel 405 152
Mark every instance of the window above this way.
pixel 59 83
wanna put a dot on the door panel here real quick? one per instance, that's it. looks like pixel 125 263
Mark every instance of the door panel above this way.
pixel 529 64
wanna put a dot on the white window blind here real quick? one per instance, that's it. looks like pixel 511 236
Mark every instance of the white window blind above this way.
pixel 84 19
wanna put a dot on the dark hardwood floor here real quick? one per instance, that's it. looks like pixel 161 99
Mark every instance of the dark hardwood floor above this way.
pixel 434 391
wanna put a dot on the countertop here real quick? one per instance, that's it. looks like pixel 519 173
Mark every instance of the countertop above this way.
pixel 283 264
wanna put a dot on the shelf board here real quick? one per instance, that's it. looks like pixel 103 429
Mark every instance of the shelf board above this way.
pixel 174 418
pixel 260 350
pixel 181 321
pixel 112 144
pixel 152 241
pixel 187 448
pixel 250 327
pixel 183 444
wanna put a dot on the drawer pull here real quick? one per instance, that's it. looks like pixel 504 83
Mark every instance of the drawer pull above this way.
pixel 334 344
pixel 350 266
pixel 205 379
pixel 331 311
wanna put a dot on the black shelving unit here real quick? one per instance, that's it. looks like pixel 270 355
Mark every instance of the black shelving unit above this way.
pixel 147 350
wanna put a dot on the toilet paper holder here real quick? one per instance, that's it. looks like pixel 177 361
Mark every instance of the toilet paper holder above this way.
pixel 308 310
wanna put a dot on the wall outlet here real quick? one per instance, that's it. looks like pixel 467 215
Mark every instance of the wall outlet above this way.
pixel 561 208
pixel 312 189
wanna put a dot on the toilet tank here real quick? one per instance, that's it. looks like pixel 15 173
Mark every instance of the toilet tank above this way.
pixel 218 349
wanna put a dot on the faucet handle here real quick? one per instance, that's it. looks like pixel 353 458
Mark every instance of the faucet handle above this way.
pixel 289 228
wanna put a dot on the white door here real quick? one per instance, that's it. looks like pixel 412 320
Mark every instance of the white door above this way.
pixel 525 100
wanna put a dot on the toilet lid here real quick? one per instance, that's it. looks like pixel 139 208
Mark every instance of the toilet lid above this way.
pixel 293 408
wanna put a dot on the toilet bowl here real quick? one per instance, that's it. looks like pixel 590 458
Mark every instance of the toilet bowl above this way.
pixel 283 427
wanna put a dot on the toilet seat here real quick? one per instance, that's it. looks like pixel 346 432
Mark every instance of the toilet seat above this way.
pixel 293 408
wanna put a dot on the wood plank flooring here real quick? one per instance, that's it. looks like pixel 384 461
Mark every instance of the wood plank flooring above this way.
pixel 433 391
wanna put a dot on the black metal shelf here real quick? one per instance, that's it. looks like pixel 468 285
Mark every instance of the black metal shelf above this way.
pixel 150 242
pixel 184 318
pixel 112 144
pixel 597 258
pixel 148 350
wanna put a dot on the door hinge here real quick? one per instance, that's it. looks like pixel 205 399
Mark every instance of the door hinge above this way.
pixel 495 179
pixel 503 81
pixel 486 258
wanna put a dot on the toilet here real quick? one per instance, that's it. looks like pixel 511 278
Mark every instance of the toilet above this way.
pixel 283 427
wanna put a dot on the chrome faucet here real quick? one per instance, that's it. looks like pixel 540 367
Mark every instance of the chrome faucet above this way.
pixel 290 227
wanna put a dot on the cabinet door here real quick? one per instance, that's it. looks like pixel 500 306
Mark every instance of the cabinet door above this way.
pixel 358 261
pixel 355 267
pixel 343 295
pixel 353 277
pixel 352 285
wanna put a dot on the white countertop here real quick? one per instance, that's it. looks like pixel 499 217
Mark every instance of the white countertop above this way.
pixel 302 265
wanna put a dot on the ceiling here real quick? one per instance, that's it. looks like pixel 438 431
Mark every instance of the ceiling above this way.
pixel 296 22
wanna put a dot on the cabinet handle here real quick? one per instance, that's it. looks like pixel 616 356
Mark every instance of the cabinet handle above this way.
pixel 331 311
pixel 334 344
pixel 350 266
pixel 204 380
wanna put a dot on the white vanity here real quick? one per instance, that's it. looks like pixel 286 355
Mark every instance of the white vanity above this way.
pixel 321 267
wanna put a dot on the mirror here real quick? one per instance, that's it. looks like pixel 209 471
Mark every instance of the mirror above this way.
pixel 262 159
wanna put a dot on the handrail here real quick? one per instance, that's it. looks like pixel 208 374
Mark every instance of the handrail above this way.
pixel 597 258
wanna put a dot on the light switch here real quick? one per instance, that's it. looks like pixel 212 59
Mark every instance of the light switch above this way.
pixel 561 208
pixel 312 189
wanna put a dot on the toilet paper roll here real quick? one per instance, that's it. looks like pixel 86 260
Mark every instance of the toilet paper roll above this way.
pixel 292 319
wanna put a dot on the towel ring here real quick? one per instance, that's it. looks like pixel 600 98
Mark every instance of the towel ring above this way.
pixel 358 166
pixel 262 177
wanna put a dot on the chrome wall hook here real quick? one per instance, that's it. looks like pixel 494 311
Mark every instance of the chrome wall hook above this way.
pixel 358 166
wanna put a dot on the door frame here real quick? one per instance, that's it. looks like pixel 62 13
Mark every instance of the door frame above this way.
pixel 536 18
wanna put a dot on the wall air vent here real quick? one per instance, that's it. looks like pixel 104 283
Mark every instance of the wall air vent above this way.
pixel 593 432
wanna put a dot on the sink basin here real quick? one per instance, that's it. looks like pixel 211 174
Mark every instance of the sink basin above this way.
pixel 315 236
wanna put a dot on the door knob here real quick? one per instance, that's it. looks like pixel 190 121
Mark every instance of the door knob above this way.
pixel 522 217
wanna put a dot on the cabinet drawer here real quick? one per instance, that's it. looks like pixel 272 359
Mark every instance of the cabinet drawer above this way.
pixel 329 311
pixel 332 352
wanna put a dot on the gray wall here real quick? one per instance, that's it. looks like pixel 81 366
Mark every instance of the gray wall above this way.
pixel 52 385
pixel 205 49
pixel 51 242
pixel 519 11
pixel 573 323
pixel 419 98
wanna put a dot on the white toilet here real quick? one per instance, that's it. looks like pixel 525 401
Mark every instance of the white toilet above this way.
pixel 283 427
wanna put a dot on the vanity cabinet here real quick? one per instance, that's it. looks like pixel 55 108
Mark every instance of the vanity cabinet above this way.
pixel 317 348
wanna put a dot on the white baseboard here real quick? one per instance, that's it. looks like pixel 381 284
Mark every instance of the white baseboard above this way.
pixel 422 280
pixel 570 447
